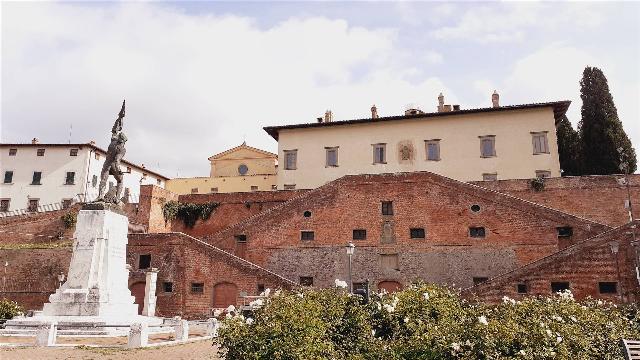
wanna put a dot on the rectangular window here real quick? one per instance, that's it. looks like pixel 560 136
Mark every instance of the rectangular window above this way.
pixel 34 204
pixel 8 177
pixel 417 233
pixel 37 176
pixel 70 179
pixel 241 239
pixel 521 288
pixel 73 152
pixel 261 288
pixel 557 286
pixel 290 159
pixel 389 262
pixel 13 152
pixel 128 169
pixel 543 174
pixel 158 182
pixel 476 232
pixel 307 235
pixel 379 153
pixel 214 190
pixel 289 186
pixel 433 149
pixel 144 262
pixel 66 203
pixel 4 204
pixel 197 288
pixel 490 177
pixel 94 181
pixel 608 287
pixel 359 234
pixel 194 190
pixel 387 208
pixel 332 156
pixel 167 286
pixel 97 156
pixel 564 231
pixel 540 144
pixel 274 187
pixel 306 280
pixel 254 188
pixel 479 280
pixel 488 146
pixel 40 152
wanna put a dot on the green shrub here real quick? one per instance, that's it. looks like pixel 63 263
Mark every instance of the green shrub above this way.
pixel 189 213
pixel 9 309
pixel 69 219
pixel 427 322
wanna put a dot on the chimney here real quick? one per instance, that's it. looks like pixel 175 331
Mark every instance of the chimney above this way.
pixel 34 141
pixel 456 107
pixel 374 112
pixel 328 116
pixel 320 119
pixel 446 108
pixel 495 99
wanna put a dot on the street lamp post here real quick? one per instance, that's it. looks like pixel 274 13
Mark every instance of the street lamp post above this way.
pixel 350 250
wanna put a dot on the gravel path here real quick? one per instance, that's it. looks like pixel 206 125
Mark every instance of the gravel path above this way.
pixel 196 350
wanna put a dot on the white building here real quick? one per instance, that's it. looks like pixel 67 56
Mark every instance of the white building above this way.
pixel 44 177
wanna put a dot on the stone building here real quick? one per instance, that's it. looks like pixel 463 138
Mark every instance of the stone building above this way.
pixel 499 142
pixel 240 169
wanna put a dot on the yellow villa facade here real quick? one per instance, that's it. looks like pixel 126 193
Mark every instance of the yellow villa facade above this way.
pixel 500 142
pixel 240 169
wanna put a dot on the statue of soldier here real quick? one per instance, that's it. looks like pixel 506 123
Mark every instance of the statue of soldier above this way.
pixel 111 165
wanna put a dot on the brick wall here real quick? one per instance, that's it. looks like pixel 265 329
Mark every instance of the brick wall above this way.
pixel 600 198
pixel 184 260
pixel 583 265
pixel 46 227
pixel 517 232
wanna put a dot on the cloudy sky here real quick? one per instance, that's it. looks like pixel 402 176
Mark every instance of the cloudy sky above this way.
pixel 201 77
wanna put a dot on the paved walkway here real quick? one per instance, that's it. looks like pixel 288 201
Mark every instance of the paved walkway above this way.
pixel 196 350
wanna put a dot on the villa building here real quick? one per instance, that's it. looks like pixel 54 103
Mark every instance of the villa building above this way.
pixel 500 142
pixel 239 169
pixel 44 177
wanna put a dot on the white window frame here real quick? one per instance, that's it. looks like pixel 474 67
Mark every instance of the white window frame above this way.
pixel 493 145
pixel 288 153
pixel 435 142
pixel 382 146
pixel 329 150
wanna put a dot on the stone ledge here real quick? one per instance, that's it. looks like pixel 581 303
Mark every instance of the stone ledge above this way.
pixel 100 205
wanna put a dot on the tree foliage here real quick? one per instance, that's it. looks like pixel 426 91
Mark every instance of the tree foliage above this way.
pixel 601 132
pixel 189 213
pixel 568 148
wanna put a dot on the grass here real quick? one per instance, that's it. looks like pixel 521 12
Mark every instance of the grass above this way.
pixel 50 245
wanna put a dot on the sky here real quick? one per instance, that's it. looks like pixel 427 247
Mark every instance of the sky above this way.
pixel 202 77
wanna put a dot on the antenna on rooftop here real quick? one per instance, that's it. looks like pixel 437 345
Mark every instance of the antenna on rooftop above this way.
pixel 70 131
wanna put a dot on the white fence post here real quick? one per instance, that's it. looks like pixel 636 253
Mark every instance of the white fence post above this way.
pixel 182 330
pixel 212 327
pixel 138 335
pixel 46 334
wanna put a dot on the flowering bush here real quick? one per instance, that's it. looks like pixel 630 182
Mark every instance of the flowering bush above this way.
pixel 427 322
pixel 9 309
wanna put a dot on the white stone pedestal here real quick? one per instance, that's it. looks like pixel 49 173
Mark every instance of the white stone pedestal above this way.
pixel 95 296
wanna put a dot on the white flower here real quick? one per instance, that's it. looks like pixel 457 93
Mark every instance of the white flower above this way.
pixel 217 312
pixel 455 346
pixel 256 303
pixel 389 308
pixel 559 339
pixel 573 318
pixel 373 333
pixel 557 318
pixel 549 333
pixel 378 305
pixel 300 295
pixel 341 284
pixel 266 293
pixel 566 294
pixel 231 308
pixel 600 302
pixel 228 316
pixel 406 320
pixel 483 320
pixel 426 297
pixel 249 321
pixel 522 352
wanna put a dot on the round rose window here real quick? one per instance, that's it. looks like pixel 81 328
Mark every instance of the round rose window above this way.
pixel 242 169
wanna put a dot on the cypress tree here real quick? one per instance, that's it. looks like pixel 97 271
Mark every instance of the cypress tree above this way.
pixel 601 132
pixel 568 148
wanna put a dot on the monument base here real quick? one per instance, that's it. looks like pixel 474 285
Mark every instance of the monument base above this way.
pixel 83 325
pixel 95 299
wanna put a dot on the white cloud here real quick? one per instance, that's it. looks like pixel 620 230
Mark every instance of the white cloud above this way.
pixel 511 21
pixel 195 84
pixel 434 57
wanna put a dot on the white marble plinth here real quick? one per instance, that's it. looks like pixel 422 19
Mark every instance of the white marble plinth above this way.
pixel 96 292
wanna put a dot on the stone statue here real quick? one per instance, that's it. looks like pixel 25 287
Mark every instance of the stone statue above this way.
pixel 111 166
